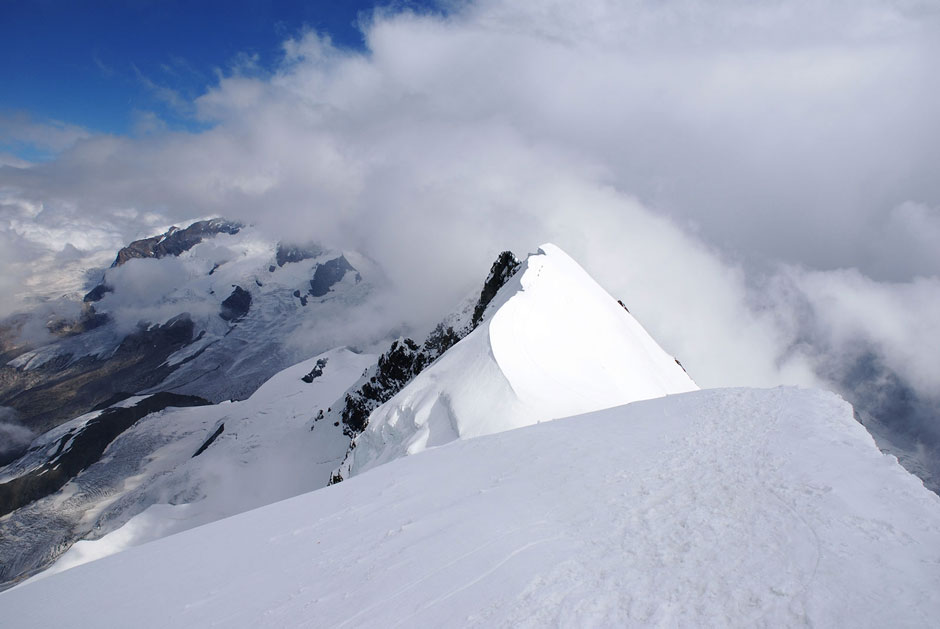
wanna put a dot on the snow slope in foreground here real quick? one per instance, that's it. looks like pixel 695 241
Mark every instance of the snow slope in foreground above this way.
pixel 553 344
pixel 714 508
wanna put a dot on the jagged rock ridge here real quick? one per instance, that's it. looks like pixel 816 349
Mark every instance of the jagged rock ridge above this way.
pixel 503 268
pixel 405 359
pixel 175 240
pixel 236 305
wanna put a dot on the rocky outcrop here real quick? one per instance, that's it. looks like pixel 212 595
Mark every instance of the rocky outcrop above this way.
pixel 208 442
pixel 396 367
pixel 96 293
pixel 236 305
pixel 330 273
pixel 316 372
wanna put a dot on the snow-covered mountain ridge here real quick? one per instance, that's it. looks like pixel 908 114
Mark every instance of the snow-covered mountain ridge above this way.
pixel 146 486
pixel 405 359
pixel 712 508
pixel 552 343
pixel 644 501
pixel 606 356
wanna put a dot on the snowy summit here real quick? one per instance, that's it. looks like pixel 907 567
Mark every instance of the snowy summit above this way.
pixel 645 502
pixel 553 343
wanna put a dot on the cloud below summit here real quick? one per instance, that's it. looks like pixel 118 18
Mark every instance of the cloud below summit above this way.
pixel 756 180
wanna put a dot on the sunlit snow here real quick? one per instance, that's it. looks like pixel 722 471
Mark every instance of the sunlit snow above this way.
pixel 713 508
pixel 554 344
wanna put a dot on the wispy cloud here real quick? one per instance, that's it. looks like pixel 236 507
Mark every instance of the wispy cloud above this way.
pixel 21 129
pixel 105 69
pixel 163 93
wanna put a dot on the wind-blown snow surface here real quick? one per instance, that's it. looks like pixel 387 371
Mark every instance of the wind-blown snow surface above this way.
pixel 553 344
pixel 714 508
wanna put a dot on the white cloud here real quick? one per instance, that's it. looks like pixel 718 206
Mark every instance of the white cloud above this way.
pixel 680 150
pixel 14 437
pixel 898 319
pixel 148 290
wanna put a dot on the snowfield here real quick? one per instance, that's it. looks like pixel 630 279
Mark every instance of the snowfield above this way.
pixel 553 344
pixel 734 507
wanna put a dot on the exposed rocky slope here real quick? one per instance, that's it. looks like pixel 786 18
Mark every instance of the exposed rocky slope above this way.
pixel 211 310
pixel 175 241
pixel 405 359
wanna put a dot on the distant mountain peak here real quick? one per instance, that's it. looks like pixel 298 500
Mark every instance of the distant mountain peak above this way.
pixel 172 242
pixel 175 241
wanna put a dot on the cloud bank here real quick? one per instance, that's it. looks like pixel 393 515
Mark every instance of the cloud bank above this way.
pixel 757 181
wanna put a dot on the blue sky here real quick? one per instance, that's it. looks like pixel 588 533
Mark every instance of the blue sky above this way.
pixel 103 65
